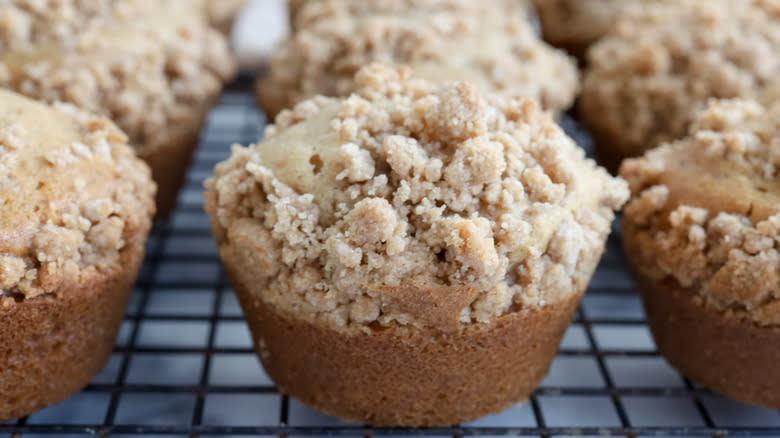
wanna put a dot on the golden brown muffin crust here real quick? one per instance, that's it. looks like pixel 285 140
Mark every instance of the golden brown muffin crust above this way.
pixel 394 376
pixel 490 45
pixel 73 196
pixel 720 350
pixel 648 79
pixel 706 210
pixel 410 196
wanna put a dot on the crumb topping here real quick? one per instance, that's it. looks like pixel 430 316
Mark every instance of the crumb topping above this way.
pixel 146 72
pixel 648 79
pixel 27 23
pixel 413 203
pixel 706 209
pixel 73 196
pixel 490 45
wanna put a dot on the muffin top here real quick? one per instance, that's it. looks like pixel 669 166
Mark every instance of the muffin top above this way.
pixel 492 45
pixel 648 79
pixel 415 204
pixel 73 197
pixel 146 71
pixel 706 209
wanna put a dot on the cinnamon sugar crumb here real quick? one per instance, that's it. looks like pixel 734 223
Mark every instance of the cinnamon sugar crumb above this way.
pixel 648 78
pixel 724 245
pixel 74 197
pixel 411 186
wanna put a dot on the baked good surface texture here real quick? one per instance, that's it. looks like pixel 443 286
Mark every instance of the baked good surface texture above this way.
pixel 155 71
pixel 75 209
pixel 490 44
pixel 646 81
pixel 576 24
pixel 411 220
pixel 702 233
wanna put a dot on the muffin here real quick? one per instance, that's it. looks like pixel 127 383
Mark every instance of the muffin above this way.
pixel 646 82
pixel 417 244
pixel 701 234
pixel 76 206
pixel 494 47
pixel 154 71
pixel 576 24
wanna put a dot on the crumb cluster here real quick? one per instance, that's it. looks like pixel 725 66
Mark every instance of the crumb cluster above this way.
pixel 723 241
pixel 648 79
pixel 27 23
pixel 145 72
pixel 73 197
pixel 490 44
pixel 412 203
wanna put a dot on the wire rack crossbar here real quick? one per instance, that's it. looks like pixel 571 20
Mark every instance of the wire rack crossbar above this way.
pixel 184 365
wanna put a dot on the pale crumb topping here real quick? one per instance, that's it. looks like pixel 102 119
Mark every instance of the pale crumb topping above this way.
pixel 412 203
pixel 724 243
pixel 73 197
pixel 146 70
pixel 490 44
pixel 648 79
pixel 27 23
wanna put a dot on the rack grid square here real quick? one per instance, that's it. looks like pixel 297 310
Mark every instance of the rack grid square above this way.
pixel 184 367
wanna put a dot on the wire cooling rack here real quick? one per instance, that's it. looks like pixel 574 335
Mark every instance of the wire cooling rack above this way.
pixel 184 365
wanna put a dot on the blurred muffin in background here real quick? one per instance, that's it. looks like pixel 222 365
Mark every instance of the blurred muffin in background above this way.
pixel 646 81
pixel 489 44
pixel 155 71
pixel 701 233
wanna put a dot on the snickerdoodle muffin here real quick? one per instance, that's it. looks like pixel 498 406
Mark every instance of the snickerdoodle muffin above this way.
pixel 155 71
pixel 490 45
pixel 417 245
pixel 646 81
pixel 76 206
pixel 702 234
pixel 576 24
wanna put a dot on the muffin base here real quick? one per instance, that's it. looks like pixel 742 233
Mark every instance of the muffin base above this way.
pixel 399 377
pixel 729 355
pixel 170 161
pixel 53 345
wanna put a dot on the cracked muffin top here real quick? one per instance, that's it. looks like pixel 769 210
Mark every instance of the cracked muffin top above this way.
pixel 646 81
pixel 146 69
pixel 412 203
pixel 490 44
pixel 73 197
pixel 706 209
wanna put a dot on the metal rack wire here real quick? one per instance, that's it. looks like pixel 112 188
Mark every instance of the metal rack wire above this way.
pixel 184 366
